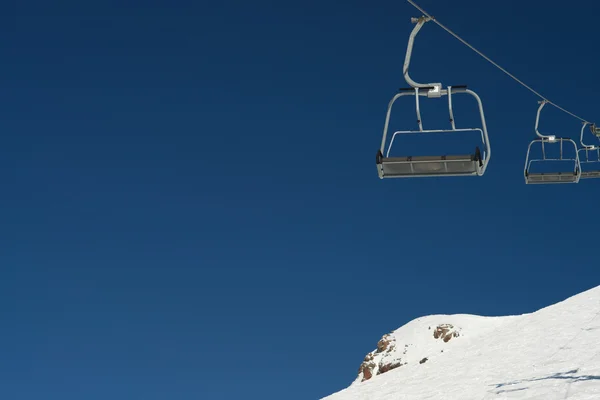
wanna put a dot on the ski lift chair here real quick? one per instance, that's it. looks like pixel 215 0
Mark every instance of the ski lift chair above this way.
pixel 473 164
pixel 595 130
pixel 545 141
pixel 585 159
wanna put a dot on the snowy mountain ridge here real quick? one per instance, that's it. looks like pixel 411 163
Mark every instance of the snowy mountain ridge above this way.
pixel 553 353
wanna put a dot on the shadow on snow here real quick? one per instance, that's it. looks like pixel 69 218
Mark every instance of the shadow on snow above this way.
pixel 569 376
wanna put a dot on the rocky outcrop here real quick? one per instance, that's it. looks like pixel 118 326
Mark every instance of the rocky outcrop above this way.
pixel 383 368
pixel 367 367
pixel 380 360
pixel 389 355
pixel 366 370
pixel 445 332
pixel 386 343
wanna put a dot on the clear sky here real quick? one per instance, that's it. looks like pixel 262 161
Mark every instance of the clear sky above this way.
pixel 190 204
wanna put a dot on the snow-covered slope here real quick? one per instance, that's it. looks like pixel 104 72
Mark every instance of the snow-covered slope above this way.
pixel 551 354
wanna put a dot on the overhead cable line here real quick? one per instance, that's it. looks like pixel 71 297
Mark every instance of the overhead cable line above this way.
pixel 494 63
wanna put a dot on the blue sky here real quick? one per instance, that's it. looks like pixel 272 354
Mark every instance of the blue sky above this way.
pixel 191 208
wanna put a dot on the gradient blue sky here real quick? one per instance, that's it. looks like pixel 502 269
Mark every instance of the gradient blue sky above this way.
pixel 190 204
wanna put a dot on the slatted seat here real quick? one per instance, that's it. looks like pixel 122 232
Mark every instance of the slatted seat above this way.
pixel 422 166
pixel 590 174
pixel 554 177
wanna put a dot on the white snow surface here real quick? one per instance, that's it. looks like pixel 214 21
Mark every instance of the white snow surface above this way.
pixel 551 354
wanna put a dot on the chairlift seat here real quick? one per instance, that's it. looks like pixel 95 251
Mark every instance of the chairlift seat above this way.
pixel 425 166
pixel 585 160
pixel 422 166
pixel 554 177
pixel 590 174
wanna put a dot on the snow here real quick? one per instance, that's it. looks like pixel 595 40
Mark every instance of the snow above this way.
pixel 551 354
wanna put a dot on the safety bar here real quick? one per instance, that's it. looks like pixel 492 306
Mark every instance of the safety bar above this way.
pixel 543 140
pixel 451 90
pixel 587 155
pixel 387 154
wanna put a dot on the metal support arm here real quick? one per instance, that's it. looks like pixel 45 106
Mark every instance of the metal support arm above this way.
pixel 550 138
pixel 434 88
pixel 586 146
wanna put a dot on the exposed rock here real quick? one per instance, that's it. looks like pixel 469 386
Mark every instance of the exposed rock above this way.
pixel 383 368
pixel 380 360
pixel 366 368
pixel 390 355
pixel 384 343
pixel 445 332
pixel 367 374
